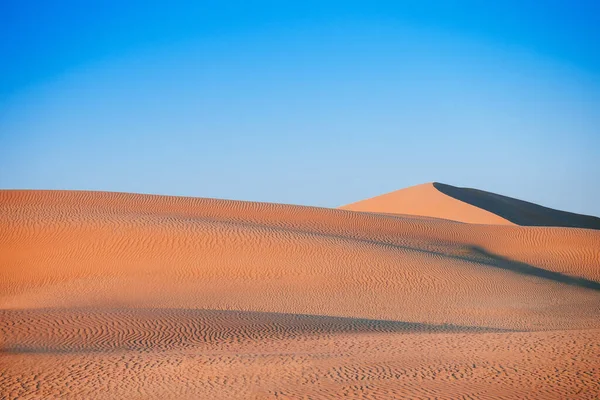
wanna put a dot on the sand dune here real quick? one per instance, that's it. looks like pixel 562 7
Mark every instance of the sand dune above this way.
pixel 106 295
pixel 475 206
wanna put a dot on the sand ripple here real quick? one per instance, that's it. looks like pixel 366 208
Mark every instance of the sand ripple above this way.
pixel 106 295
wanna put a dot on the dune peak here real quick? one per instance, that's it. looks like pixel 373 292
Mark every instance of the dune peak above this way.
pixel 440 200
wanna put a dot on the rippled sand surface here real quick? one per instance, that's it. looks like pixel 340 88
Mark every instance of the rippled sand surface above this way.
pixel 110 295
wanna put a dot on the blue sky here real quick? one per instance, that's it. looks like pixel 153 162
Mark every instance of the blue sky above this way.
pixel 310 102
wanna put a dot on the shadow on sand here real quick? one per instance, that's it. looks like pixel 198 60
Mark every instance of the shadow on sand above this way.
pixel 518 211
pixel 100 330
pixel 526 269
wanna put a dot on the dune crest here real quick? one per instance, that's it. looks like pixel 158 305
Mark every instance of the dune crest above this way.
pixel 439 200
pixel 427 201
pixel 191 297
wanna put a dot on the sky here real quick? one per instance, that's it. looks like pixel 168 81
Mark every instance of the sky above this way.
pixel 317 103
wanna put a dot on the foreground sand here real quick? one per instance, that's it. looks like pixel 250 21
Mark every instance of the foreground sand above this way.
pixel 106 295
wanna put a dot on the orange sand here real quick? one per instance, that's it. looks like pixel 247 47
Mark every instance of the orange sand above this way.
pixel 473 206
pixel 109 295
pixel 425 200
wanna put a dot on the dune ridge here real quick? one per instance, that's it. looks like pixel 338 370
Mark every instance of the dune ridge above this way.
pixel 518 211
pixel 426 201
pixel 309 301
pixel 468 205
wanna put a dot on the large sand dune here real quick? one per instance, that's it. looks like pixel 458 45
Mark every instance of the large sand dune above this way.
pixel 470 205
pixel 109 295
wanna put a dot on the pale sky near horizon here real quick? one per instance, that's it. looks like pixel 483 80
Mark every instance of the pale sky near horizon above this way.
pixel 302 102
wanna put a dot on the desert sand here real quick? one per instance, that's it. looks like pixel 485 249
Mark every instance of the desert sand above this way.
pixel 113 295
pixel 474 206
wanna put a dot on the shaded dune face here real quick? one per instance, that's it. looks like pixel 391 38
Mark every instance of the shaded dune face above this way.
pixel 518 211
pixel 186 297
pixel 475 206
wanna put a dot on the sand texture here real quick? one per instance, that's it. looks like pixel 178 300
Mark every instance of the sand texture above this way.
pixel 112 295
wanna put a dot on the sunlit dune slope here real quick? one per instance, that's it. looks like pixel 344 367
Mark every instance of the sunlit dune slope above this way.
pixel 92 249
pixel 427 201
pixel 439 200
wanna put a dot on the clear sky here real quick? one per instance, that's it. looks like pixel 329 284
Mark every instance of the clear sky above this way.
pixel 306 102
